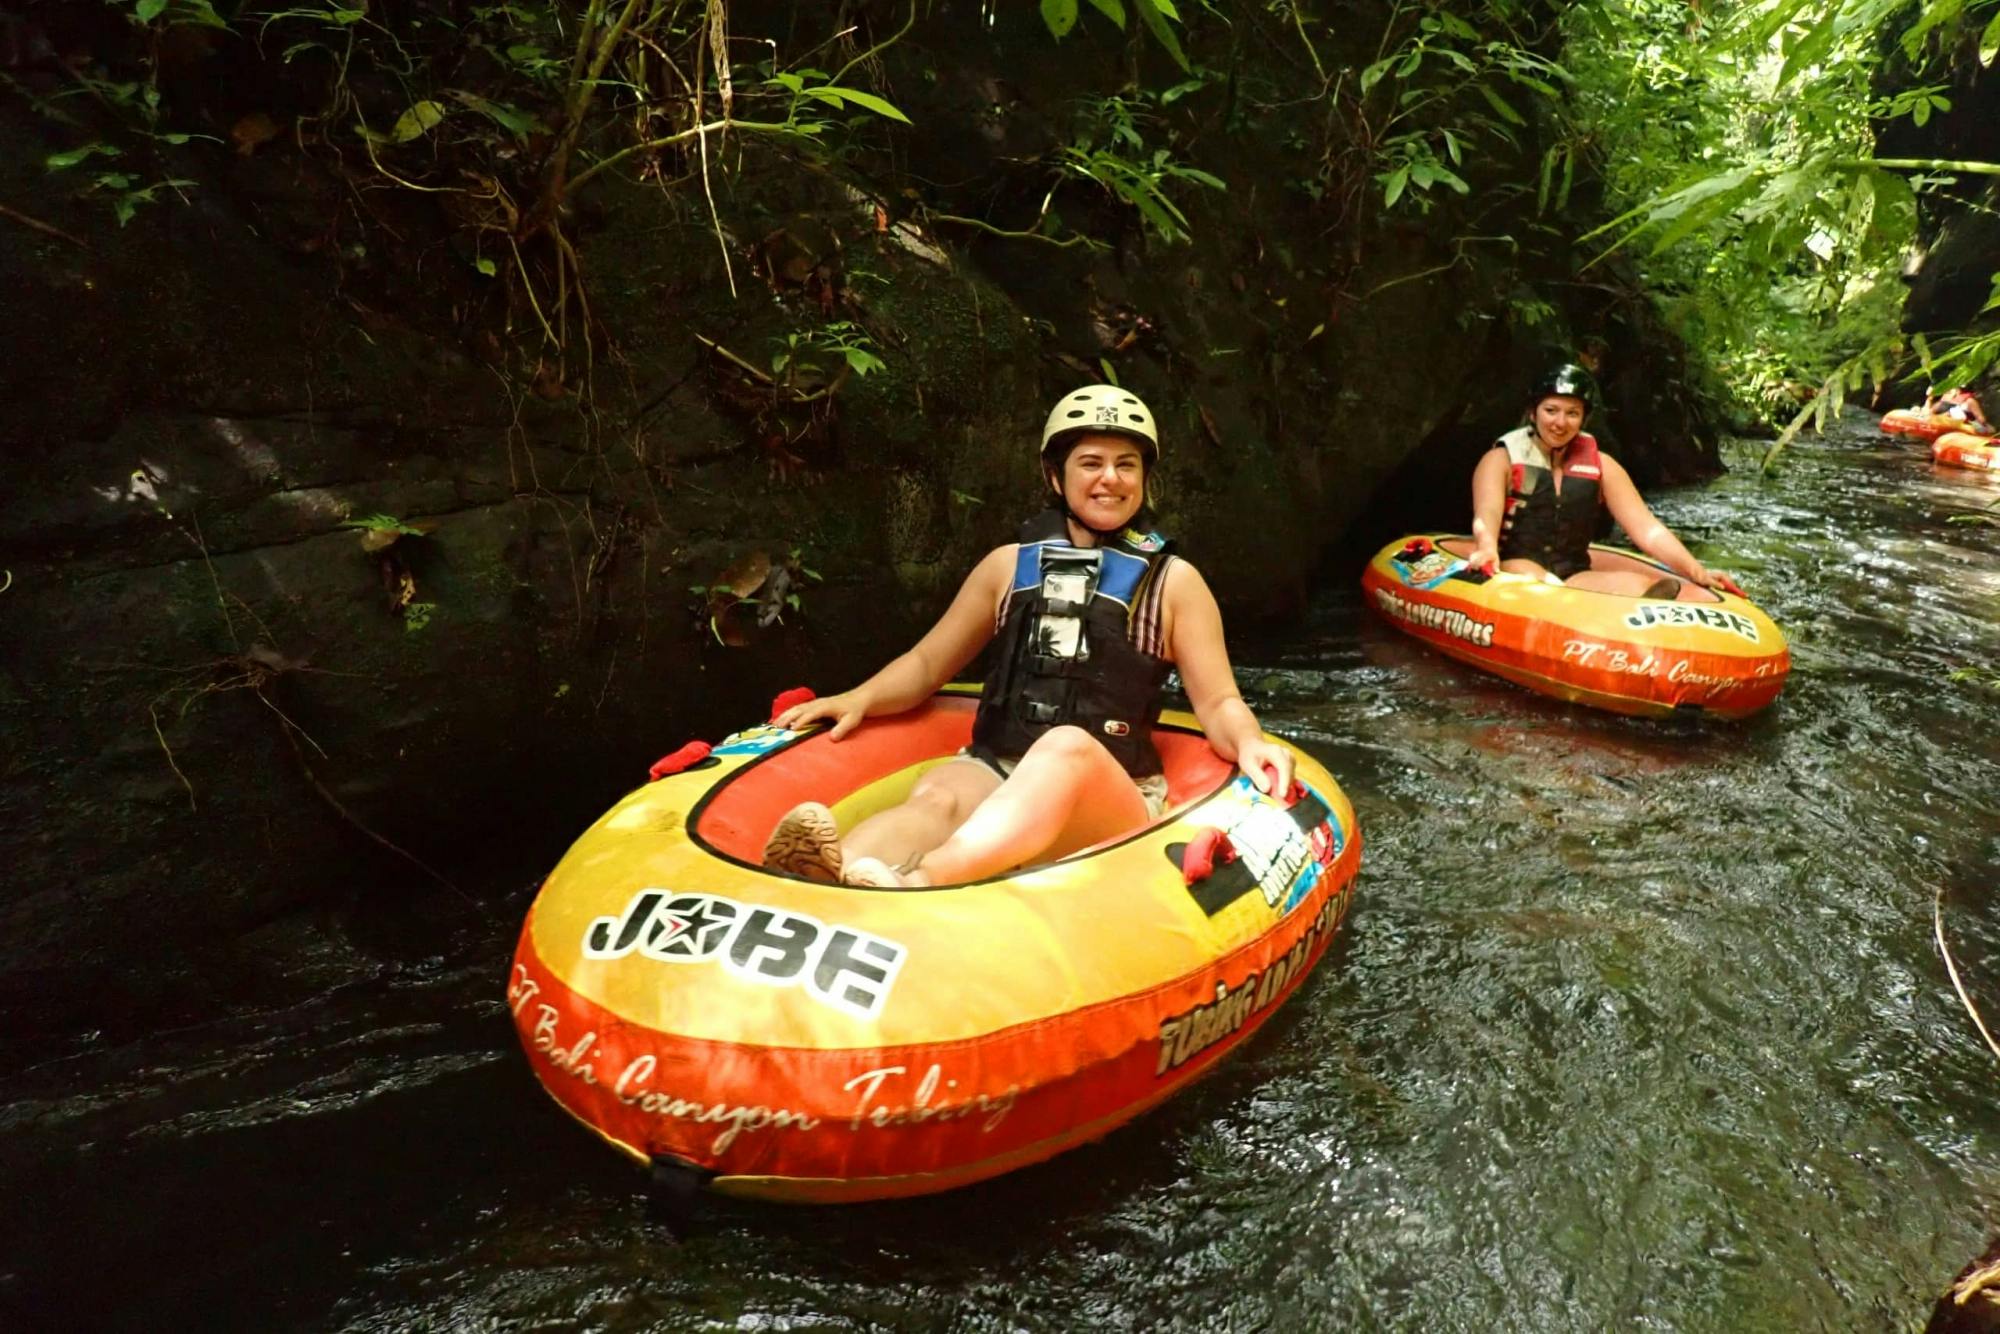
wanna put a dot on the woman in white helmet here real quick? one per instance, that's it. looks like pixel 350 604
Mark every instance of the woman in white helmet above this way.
pixel 1092 615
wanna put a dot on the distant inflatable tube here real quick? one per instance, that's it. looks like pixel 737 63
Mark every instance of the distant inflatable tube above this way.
pixel 1706 652
pixel 797 1041
pixel 1962 449
pixel 1923 425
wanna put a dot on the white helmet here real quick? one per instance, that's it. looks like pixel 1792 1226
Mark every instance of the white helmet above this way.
pixel 1102 407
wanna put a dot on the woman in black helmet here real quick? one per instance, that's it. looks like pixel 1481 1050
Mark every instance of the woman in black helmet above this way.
pixel 1536 496
pixel 1091 614
pixel 1961 405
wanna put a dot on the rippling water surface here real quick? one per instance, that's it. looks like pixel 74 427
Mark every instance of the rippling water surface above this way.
pixel 1636 1024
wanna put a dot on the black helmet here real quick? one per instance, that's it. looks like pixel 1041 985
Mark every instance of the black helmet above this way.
pixel 1569 380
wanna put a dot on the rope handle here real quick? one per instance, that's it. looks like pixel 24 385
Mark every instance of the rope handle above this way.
pixel 1207 850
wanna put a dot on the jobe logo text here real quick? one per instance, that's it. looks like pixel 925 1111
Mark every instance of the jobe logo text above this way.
pixel 838 965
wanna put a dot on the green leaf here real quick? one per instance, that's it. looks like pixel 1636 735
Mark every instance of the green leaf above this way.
pixel 63 161
pixel 1155 208
pixel 1373 74
pixel 875 104
pixel 1695 218
pixel 1450 179
pixel 1989 42
pixel 1765 28
pixel 1892 193
pixel 1060 16
pixel 1810 48
pixel 1154 14
pixel 486 266
pixel 1111 9
pixel 1500 106
pixel 1199 177
pixel 1931 15
pixel 1675 204
pixel 837 95
pixel 862 361
pixel 1392 189
pixel 1542 86
pixel 416 122
pixel 147 11
pixel 512 119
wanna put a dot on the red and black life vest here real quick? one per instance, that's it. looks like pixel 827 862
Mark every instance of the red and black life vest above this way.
pixel 1957 403
pixel 1553 529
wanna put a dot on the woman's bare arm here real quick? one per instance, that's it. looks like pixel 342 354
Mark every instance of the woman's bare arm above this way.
pixel 1648 534
pixel 1196 646
pixel 1489 502
pixel 915 675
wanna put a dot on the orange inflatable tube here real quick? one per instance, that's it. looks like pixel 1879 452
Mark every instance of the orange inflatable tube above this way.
pixel 1962 449
pixel 1923 425
pixel 1704 652
pixel 800 1041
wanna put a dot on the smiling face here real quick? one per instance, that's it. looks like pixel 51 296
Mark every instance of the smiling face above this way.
pixel 1104 479
pixel 1557 419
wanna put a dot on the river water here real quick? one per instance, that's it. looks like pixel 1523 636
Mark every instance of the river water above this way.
pixel 1635 1024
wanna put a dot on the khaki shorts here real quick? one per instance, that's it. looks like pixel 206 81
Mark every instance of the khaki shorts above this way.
pixel 1153 787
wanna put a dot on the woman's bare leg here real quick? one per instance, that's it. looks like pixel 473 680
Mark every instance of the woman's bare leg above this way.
pixel 1630 583
pixel 936 806
pixel 1066 793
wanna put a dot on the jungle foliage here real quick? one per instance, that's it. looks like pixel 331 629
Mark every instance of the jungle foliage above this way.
pixel 1737 143
pixel 1731 144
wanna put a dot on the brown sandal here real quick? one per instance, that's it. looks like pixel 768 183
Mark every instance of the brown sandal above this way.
pixel 805 843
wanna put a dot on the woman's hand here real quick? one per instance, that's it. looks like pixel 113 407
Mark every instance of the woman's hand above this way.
pixel 1698 573
pixel 1717 580
pixel 1267 765
pixel 1485 556
pixel 846 709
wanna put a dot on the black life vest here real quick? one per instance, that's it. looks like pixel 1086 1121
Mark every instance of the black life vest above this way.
pixel 1079 643
pixel 1553 529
